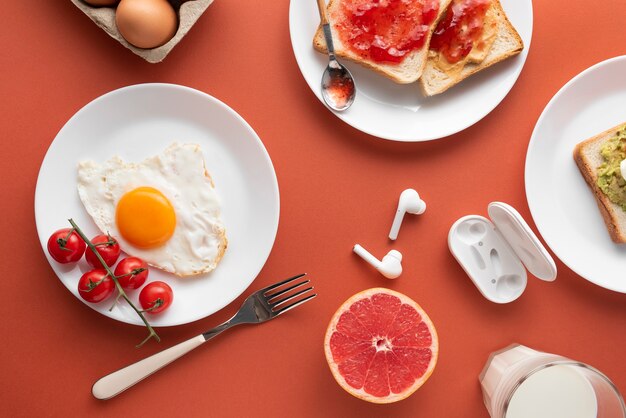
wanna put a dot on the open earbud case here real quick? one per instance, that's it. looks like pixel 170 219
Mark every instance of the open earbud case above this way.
pixel 496 253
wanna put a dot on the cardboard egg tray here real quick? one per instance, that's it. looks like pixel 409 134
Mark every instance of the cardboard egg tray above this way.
pixel 188 14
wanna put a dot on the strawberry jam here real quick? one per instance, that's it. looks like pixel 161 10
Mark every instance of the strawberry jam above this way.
pixel 385 30
pixel 458 30
pixel 341 90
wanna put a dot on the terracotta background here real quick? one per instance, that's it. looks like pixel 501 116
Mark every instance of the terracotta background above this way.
pixel 338 186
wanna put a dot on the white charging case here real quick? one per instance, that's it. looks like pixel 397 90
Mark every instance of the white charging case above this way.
pixel 496 253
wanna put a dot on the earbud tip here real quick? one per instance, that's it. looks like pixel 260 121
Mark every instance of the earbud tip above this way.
pixel 395 254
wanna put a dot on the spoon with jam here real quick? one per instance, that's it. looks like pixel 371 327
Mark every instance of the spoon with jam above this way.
pixel 338 90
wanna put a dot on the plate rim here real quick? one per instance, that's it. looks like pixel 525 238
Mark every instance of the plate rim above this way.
pixel 427 138
pixel 548 108
pixel 186 90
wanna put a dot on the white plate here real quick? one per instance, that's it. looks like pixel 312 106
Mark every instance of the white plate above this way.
pixel 140 121
pixel 399 112
pixel 561 203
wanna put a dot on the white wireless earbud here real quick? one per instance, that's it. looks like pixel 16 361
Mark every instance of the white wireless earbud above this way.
pixel 390 266
pixel 409 202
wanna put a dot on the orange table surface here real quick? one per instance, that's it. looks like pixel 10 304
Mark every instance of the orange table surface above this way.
pixel 338 187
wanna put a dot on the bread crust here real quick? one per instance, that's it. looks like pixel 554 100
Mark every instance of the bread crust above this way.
pixel 608 209
pixel 386 70
pixel 504 24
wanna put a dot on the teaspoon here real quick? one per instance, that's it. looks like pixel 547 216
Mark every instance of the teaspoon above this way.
pixel 338 90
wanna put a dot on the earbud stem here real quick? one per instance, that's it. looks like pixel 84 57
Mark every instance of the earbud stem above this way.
pixel 395 227
pixel 365 255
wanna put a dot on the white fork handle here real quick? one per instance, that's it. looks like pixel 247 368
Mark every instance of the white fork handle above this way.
pixel 117 382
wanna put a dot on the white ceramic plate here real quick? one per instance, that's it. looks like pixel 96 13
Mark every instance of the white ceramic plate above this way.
pixel 399 112
pixel 561 203
pixel 140 121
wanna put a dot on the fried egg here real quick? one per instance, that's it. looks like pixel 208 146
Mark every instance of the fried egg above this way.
pixel 164 209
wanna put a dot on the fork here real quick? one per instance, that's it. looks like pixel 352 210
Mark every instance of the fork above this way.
pixel 259 307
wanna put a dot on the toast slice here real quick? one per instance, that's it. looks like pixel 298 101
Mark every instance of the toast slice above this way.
pixel 507 43
pixel 407 71
pixel 588 159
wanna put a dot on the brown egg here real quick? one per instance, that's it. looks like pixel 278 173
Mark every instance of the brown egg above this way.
pixel 146 23
pixel 177 3
pixel 101 2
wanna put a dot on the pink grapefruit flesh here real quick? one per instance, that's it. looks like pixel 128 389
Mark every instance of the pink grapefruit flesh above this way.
pixel 381 346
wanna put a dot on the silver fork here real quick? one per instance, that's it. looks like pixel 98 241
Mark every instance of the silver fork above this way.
pixel 261 306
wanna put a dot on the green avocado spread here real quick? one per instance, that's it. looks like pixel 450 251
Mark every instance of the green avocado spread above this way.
pixel 610 179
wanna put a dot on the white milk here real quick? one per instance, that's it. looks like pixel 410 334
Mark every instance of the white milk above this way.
pixel 555 392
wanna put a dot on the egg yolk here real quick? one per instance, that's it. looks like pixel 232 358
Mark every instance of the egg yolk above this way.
pixel 145 218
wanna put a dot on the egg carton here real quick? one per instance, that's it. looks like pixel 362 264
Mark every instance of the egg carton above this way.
pixel 188 14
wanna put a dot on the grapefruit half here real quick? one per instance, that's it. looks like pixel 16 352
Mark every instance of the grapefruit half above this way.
pixel 381 346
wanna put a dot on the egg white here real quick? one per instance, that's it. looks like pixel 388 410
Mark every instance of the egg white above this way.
pixel 179 173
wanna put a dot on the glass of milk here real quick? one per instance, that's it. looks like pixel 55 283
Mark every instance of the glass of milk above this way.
pixel 519 382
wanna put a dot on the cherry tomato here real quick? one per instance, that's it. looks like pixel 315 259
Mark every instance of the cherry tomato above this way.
pixel 66 246
pixel 131 272
pixel 108 248
pixel 95 286
pixel 156 297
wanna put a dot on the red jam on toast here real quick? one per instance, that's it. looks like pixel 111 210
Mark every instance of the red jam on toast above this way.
pixel 460 29
pixel 385 31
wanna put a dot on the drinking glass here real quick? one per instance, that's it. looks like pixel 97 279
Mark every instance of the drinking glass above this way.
pixel 518 381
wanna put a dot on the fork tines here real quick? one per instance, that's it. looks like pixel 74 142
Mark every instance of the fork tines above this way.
pixel 277 295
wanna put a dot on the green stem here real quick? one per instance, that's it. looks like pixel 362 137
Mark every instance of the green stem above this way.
pixel 152 333
pixel 117 298
pixel 92 285
pixel 100 244
pixel 157 303
pixel 63 241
